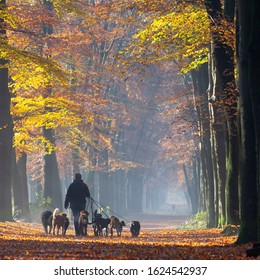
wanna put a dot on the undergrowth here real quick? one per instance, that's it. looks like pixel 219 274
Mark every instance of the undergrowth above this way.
pixel 197 221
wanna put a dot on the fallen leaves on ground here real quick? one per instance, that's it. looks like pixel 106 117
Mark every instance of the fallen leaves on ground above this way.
pixel 28 241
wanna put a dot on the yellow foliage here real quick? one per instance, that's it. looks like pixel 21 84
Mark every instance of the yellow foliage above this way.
pixel 30 70
pixel 31 114
pixel 66 5
pixel 118 164
pixel 182 35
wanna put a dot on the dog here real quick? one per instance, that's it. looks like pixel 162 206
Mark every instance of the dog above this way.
pixel 46 218
pixel 61 221
pixel 99 224
pixel 83 222
pixel 135 228
pixel 117 225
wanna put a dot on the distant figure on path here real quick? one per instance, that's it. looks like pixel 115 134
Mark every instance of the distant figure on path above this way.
pixel 76 198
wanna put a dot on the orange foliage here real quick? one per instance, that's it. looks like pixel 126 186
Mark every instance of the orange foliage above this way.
pixel 28 241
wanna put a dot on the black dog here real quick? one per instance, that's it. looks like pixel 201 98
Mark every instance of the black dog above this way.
pixel 135 228
pixel 99 224
pixel 66 224
pixel 46 218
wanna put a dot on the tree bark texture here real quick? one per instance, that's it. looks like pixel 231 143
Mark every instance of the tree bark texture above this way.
pixel 200 85
pixel 20 187
pixel 6 136
pixel 254 72
pixel 248 163
pixel 52 186
pixel 224 92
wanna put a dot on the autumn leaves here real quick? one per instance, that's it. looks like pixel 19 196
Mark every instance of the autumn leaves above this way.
pixel 23 241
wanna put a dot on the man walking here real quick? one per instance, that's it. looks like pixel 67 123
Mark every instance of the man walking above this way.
pixel 76 198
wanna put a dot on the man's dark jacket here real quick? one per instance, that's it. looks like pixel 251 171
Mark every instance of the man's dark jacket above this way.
pixel 77 193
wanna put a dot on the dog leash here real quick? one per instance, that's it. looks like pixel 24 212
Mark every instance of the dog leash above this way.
pixel 99 205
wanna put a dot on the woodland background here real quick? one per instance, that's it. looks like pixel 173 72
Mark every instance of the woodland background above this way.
pixel 141 97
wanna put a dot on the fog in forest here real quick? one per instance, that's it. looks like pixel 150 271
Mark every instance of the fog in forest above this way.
pixel 91 100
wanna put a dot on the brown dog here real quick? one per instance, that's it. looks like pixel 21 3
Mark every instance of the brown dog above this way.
pixel 83 222
pixel 60 221
pixel 117 225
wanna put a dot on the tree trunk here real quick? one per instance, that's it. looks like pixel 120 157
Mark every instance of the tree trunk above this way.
pixel 248 177
pixel 137 190
pixel 6 136
pixel 20 187
pixel 103 176
pixel 21 165
pixel 196 177
pixel 52 186
pixel 200 85
pixel 16 186
pixel 75 161
pixel 192 187
pixel 224 92
pixel 254 72
pixel 134 191
pixel 231 94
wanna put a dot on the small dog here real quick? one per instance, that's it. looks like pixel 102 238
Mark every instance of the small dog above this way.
pixel 135 228
pixel 117 225
pixel 83 222
pixel 46 218
pixel 61 221
pixel 99 224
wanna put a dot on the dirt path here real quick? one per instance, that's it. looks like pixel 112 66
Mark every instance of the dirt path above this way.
pixel 156 221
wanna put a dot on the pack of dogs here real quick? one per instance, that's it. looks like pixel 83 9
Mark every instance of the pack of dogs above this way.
pixel 57 223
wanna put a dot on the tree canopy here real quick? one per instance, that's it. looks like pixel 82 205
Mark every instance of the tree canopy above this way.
pixel 142 97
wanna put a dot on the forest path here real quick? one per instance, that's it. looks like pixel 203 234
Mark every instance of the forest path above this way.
pixel 158 221
pixel 28 241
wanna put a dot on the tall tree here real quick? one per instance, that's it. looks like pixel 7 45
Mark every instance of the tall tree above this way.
pixel 200 86
pixel 6 132
pixel 248 165
pixel 52 185
pixel 254 72
pixel 224 95
pixel 20 186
